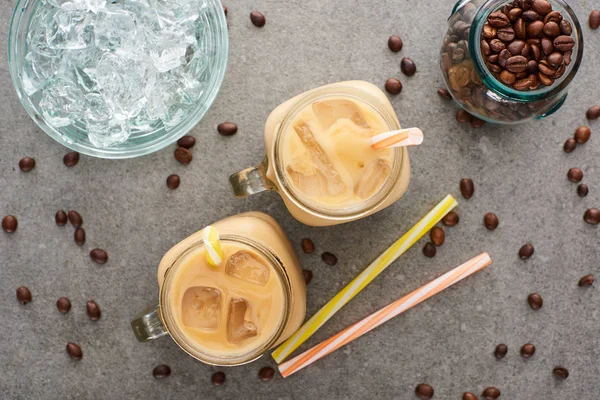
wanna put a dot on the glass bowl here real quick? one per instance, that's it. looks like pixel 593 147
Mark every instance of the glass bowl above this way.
pixel 215 45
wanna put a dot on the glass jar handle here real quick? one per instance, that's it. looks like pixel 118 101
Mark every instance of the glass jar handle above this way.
pixel 147 325
pixel 251 180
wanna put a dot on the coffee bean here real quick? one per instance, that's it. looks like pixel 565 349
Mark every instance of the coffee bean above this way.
pixel 61 218
pixel 506 34
pixel 527 350
pixel 587 280
pixel 592 216
pixel 501 351
pixel 564 43
pixel 423 390
pixel 463 116
pixel 536 53
pixel 531 16
pixel 570 145
pixel 494 68
pixel 173 181
pixel 450 219
pixel 532 67
pixel 308 246
pixel 467 188
pixel 63 304
pixel 24 295
pixel 496 45
pixel 74 351
pixel 93 310
pixel 551 29
pixel 490 220
pixel 516 47
pixel 79 236
pixel 329 258
pixel 535 29
pixel 477 123
pixel 183 155
pixel 560 372
pixel 535 301
pixel 99 256
pixel 491 393
pixel 494 58
pixel 555 59
pixel 545 79
pixel 187 142
pixel 429 250
pixel 10 223
pixel 444 94
pixel 258 19
pixel 516 64
pixel 489 32
pixel 393 86
pixel 526 251
pixel 266 374
pixel 395 43
pixel 554 16
pixel 498 20
pixel 520 29
pixel 582 190
pixel 469 396
pixel 575 175
pixel 541 7
pixel 71 159
pixel 593 112
pixel 547 69
pixel 582 134
pixel 408 66
pixel 308 275
pixel 595 19
pixel 437 236
pixel 547 46
pixel 161 371
pixel 27 164
pixel 514 13
pixel 75 218
pixel 523 84
pixel 218 378
pixel 227 128
pixel 503 57
pixel 565 27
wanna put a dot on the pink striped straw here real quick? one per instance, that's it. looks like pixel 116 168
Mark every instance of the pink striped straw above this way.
pixel 385 314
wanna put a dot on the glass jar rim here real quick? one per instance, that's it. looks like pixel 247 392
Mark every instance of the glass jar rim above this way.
pixel 362 209
pixel 239 359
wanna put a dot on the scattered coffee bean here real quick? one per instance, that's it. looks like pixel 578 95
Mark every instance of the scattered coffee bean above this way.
pixel 463 116
pixel 10 223
pixel 173 181
pixel 595 19
pixel 266 374
pixel 429 250
pixel 393 86
pixel 308 246
pixel 329 258
pixel 227 128
pixel 535 301
pixel 99 256
pixel 467 188
pixel 27 164
pixel 63 304
pixel 79 236
pixel 161 371
pixel 560 372
pixel 592 216
pixel 395 43
pixel 218 378
pixel 451 219
pixel 582 190
pixel 469 396
pixel 501 351
pixel 490 220
pixel 75 218
pixel 24 295
pixel 308 275
pixel 71 159
pixel 570 145
pixel 225 10
pixel 408 66
pixel 587 280
pixel 93 310
pixel 593 112
pixel 527 350
pixel 582 134
pixel 444 94
pixel 258 19
pixel 526 251
pixel 74 351
pixel 575 175
pixel 183 155
pixel 61 218
pixel 437 236
pixel 424 391
pixel 491 393
pixel 187 142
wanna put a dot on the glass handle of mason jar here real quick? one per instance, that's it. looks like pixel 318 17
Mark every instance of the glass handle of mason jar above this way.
pixel 251 180
pixel 148 325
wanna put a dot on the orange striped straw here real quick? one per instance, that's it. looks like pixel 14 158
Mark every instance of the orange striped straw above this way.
pixel 401 138
pixel 384 315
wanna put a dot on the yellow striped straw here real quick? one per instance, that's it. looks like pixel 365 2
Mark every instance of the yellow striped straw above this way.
pixel 214 254
pixel 364 278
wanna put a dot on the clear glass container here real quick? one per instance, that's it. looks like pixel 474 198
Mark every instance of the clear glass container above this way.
pixel 74 136
pixel 476 89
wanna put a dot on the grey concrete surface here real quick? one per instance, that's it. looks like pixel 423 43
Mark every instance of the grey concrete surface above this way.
pixel 519 173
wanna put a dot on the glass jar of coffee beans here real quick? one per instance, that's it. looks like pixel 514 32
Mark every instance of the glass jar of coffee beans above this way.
pixel 511 61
